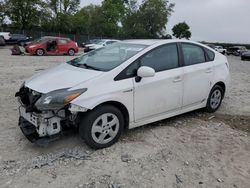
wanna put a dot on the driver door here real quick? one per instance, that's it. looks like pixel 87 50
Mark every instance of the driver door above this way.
pixel 162 93
pixel 52 47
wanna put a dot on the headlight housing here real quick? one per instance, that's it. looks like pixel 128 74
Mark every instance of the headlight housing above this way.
pixel 57 99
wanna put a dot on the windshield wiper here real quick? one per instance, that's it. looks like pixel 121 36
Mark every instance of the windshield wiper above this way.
pixel 91 67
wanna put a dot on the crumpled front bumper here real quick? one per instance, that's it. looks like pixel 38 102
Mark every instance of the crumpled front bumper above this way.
pixel 30 132
pixel 40 128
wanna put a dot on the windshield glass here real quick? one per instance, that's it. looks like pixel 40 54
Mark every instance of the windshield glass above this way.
pixel 100 42
pixel 42 39
pixel 107 58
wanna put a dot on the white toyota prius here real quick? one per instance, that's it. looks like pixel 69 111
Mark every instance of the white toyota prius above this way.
pixel 122 86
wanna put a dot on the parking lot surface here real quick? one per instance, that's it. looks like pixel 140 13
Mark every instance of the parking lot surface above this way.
pixel 196 149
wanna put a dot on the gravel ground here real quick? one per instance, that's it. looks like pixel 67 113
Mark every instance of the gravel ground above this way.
pixel 192 150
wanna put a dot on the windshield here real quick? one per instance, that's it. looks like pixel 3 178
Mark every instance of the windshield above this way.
pixel 100 42
pixel 42 39
pixel 94 41
pixel 107 58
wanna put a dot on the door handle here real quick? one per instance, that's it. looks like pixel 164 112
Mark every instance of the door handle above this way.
pixel 177 79
pixel 209 70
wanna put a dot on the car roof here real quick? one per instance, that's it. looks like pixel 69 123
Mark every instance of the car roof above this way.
pixel 150 42
pixel 52 37
pixel 109 40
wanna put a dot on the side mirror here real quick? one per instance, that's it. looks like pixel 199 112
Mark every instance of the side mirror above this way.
pixel 144 72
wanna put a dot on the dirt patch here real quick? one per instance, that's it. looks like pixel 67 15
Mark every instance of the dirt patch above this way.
pixel 240 122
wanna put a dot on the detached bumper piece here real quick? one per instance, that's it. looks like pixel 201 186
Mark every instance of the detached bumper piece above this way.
pixel 29 130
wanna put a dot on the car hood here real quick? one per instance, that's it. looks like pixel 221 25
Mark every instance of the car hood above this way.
pixel 60 77
pixel 36 44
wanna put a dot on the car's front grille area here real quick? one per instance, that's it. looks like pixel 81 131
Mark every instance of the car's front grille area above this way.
pixel 28 98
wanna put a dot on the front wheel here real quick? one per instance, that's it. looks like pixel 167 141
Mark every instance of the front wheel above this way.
pixel 71 52
pixel 214 99
pixel 102 127
pixel 40 52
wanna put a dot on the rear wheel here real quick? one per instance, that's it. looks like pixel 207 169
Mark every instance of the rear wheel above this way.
pixel 40 52
pixel 102 127
pixel 71 52
pixel 214 99
pixel 21 43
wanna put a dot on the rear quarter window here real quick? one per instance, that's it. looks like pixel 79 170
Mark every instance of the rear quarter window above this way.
pixel 210 54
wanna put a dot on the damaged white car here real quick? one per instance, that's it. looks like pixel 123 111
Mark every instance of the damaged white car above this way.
pixel 124 85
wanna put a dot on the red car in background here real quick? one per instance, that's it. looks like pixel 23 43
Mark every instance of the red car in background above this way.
pixel 52 46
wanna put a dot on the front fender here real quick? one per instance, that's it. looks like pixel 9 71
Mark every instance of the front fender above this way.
pixel 125 98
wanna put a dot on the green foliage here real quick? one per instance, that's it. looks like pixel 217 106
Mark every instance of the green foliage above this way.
pixel 89 20
pixel 112 12
pixel 181 30
pixel 2 11
pixel 60 15
pixel 113 18
pixel 24 14
pixel 148 20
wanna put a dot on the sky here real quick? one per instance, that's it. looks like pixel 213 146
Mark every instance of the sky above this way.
pixel 210 20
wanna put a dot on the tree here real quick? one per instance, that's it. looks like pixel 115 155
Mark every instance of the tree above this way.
pixel 149 20
pixel 61 14
pixel 24 14
pixel 2 13
pixel 181 30
pixel 89 20
pixel 104 20
pixel 112 12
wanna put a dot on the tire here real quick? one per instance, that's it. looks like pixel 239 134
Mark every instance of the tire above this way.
pixel 71 52
pixel 98 134
pixel 215 98
pixel 40 52
pixel 242 58
pixel 2 41
pixel 21 43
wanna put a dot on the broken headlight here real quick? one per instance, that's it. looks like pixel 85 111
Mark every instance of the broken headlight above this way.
pixel 57 99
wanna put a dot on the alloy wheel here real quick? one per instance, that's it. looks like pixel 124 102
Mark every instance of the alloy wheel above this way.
pixel 215 99
pixel 105 128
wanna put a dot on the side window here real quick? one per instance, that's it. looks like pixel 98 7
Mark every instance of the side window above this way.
pixel 193 54
pixel 128 72
pixel 162 58
pixel 210 55
pixel 61 41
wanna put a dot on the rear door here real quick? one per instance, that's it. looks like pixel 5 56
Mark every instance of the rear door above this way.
pixel 62 45
pixel 198 71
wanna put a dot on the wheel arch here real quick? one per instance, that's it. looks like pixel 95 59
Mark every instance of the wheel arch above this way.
pixel 222 85
pixel 121 107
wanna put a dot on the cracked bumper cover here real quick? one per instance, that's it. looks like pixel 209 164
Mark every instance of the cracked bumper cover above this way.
pixel 30 132
pixel 40 128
